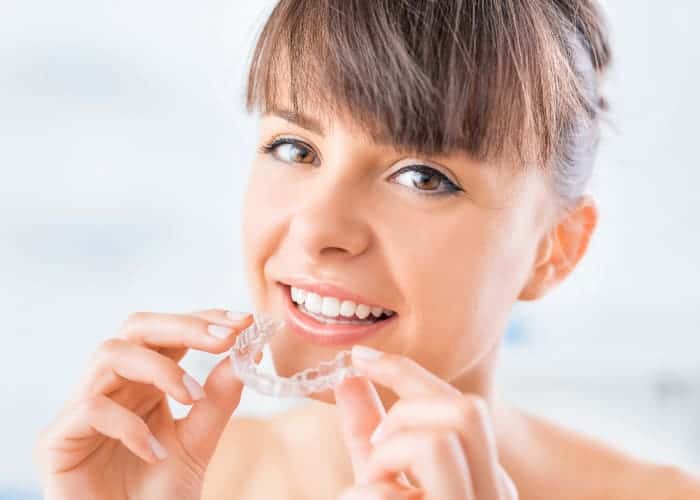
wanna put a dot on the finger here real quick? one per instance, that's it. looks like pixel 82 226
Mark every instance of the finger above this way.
pixel 468 415
pixel 207 331
pixel 118 362
pixel 508 489
pixel 214 316
pixel 201 428
pixel 401 374
pixel 436 459
pixel 360 411
pixel 380 490
pixel 97 416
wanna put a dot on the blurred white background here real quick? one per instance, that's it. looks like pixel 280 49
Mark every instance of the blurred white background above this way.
pixel 124 150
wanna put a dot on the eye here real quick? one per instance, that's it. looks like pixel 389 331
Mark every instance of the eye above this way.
pixel 426 180
pixel 289 150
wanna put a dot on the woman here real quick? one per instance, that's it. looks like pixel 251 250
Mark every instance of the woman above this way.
pixel 422 166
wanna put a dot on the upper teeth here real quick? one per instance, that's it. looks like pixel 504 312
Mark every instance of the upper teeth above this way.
pixel 332 306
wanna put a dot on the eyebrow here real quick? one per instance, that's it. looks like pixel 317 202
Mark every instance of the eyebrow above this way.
pixel 300 119
pixel 312 124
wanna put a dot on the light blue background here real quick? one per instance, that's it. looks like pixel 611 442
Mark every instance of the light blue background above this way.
pixel 124 150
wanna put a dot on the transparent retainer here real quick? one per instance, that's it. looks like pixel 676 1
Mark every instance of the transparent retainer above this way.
pixel 252 340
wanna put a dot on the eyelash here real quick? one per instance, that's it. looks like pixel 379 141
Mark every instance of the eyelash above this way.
pixel 451 190
pixel 269 147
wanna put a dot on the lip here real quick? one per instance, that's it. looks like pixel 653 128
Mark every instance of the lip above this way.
pixel 326 334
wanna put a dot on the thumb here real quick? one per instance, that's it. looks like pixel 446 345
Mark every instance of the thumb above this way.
pixel 200 430
pixel 360 411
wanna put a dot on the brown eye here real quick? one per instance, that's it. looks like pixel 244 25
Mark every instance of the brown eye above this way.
pixel 425 180
pixel 290 151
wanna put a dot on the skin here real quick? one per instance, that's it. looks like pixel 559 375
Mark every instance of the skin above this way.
pixel 341 217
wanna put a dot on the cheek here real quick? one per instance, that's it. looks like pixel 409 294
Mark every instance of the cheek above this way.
pixel 264 216
pixel 460 278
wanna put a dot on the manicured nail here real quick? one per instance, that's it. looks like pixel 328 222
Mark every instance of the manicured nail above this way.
pixel 237 316
pixel 193 387
pixel 220 331
pixel 365 353
pixel 157 448
pixel 377 434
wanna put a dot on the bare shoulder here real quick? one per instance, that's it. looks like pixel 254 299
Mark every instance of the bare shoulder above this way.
pixel 588 468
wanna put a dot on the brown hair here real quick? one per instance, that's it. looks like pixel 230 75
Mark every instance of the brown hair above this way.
pixel 503 80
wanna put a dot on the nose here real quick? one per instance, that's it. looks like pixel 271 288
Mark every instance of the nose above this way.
pixel 329 223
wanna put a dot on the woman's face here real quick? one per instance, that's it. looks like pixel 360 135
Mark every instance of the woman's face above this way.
pixel 446 243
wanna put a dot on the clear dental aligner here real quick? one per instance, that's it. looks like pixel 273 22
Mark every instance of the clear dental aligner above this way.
pixel 252 340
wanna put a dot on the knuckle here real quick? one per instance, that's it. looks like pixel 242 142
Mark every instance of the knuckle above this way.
pixel 472 408
pixel 165 373
pixel 172 371
pixel 111 345
pixel 444 447
pixel 127 326
pixel 439 443
pixel 106 349
pixel 91 406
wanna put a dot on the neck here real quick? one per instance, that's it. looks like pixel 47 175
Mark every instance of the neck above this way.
pixel 479 379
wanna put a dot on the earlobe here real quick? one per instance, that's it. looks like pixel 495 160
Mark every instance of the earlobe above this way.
pixel 562 249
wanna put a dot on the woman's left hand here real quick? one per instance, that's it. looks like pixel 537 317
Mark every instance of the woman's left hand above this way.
pixel 441 437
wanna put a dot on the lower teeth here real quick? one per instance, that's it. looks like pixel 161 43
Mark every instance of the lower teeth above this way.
pixel 334 321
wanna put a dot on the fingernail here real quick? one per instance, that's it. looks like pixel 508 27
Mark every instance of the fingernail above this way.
pixel 193 387
pixel 377 434
pixel 157 448
pixel 220 331
pixel 364 352
pixel 237 316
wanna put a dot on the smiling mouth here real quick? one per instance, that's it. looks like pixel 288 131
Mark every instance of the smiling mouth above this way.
pixel 333 310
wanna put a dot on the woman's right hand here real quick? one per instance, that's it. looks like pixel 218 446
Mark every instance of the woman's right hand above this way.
pixel 110 439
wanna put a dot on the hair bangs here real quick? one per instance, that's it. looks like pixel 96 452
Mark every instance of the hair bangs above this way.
pixel 430 77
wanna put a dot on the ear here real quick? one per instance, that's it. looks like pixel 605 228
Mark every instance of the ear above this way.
pixel 562 248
